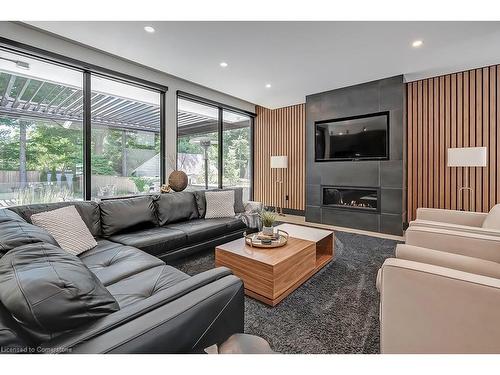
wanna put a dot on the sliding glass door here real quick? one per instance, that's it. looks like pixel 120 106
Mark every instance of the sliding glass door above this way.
pixel 198 143
pixel 214 145
pixel 125 145
pixel 236 155
pixel 43 123
pixel 41 133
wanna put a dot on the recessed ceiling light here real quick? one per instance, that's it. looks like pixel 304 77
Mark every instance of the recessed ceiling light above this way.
pixel 268 85
pixel 223 64
pixel 149 29
pixel 417 43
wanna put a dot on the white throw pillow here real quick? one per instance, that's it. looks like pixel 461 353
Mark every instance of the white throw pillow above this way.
pixel 219 204
pixel 492 220
pixel 68 229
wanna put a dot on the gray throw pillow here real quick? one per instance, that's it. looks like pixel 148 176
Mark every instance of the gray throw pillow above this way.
pixel 219 204
pixel 68 229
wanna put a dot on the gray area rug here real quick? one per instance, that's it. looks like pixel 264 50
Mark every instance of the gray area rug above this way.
pixel 336 311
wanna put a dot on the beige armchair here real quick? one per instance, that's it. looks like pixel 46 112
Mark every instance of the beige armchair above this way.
pixel 447 305
pixel 463 221
pixel 441 294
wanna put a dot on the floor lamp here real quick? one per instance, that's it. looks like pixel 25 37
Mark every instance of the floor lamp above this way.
pixel 280 162
pixel 467 157
pixel 205 143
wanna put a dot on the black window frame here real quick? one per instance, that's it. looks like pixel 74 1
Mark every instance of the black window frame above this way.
pixel 220 130
pixel 89 70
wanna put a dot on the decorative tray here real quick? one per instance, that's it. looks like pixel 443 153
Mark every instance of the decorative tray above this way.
pixel 280 238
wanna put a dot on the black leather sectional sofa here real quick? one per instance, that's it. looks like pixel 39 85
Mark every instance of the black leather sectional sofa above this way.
pixel 158 308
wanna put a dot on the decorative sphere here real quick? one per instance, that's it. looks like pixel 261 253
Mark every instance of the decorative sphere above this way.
pixel 178 180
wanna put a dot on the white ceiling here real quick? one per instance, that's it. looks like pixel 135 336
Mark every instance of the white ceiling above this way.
pixel 297 58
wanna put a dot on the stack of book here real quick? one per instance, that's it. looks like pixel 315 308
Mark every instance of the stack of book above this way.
pixel 266 239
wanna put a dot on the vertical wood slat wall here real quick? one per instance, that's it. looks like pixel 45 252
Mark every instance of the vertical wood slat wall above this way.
pixel 280 132
pixel 454 110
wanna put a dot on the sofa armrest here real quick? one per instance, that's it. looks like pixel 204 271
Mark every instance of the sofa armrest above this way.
pixel 449 260
pixel 431 309
pixel 472 219
pixel 456 227
pixel 188 317
pixel 468 244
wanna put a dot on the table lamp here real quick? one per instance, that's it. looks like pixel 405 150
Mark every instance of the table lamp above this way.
pixel 467 157
pixel 280 162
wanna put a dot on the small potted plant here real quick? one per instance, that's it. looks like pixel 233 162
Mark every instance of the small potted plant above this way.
pixel 268 218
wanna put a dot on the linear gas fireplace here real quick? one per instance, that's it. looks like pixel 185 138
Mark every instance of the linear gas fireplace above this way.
pixel 352 198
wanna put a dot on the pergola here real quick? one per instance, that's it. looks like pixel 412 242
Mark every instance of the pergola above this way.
pixel 29 98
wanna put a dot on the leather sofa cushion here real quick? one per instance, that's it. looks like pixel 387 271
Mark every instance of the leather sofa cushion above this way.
pixel 14 232
pixel 154 241
pixel 112 262
pixel 8 215
pixel 201 201
pixel 234 224
pixel 48 291
pixel 175 207
pixel 11 336
pixel 88 210
pixel 201 230
pixel 120 214
pixel 145 284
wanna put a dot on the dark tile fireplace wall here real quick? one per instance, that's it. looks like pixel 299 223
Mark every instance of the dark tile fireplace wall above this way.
pixel 386 175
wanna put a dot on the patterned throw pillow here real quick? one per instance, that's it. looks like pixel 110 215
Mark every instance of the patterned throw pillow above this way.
pixel 68 229
pixel 219 204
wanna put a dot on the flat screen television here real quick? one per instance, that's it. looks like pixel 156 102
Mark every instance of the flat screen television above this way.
pixel 353 138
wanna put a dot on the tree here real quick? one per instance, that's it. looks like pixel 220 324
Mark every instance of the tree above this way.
pixel 54 148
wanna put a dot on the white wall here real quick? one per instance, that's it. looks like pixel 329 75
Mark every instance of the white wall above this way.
pixel 50 42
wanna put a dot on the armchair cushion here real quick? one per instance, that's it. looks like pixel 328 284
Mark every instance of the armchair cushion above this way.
pixel 469 218
pixel 456 227
pixel 492 220
pixel 449 260
pixel 452 241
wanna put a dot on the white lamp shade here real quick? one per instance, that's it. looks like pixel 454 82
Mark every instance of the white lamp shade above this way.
pixel 279 161
pixel 467 157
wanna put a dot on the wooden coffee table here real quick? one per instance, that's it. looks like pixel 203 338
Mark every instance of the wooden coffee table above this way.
pixel 270 275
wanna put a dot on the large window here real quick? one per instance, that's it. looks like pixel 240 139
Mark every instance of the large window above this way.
pixel 197 143
pixel 236 156
pixel 41 134
pixel 47 138
pixel 125 139
pixel 203 130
